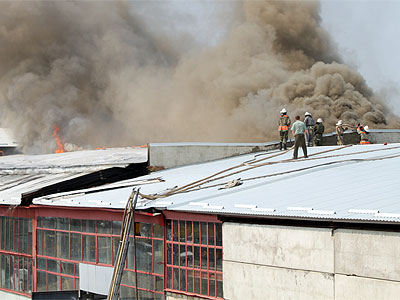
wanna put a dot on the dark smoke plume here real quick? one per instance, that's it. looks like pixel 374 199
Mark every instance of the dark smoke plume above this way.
pixel 106 77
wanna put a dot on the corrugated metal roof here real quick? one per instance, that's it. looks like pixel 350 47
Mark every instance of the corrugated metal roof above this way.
pixel 72 161
pixel 27 174
pixel 357 183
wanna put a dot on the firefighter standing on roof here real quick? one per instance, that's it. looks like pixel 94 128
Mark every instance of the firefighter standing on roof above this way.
pixel 340 132
pixel 284 123
pixel 318 132
pixel 362 131
pixel 309 121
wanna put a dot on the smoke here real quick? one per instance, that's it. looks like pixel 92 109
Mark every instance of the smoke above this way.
pixel 110 74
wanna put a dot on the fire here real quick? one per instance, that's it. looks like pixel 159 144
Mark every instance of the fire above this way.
pixel 60 144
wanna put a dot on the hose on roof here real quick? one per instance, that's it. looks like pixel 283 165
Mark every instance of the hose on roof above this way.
pixel 300 169
pixel 250 164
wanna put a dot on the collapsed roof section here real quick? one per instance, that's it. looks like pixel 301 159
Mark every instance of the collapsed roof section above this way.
pixel 25 177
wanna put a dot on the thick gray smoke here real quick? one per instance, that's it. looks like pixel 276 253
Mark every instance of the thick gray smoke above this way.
pixel 106 77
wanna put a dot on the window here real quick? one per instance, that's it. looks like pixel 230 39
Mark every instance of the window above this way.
pixel 16 254
pixel 55 275
pixel 194 257
pixel 16 273
pixel 16 235
pixel 150 263
pixel 62 243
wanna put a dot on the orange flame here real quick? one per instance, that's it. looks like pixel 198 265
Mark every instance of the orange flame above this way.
pixel 60 145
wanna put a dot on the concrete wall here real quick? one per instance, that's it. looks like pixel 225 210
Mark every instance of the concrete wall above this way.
pixel 10 296
pixel 282 262
pixel 179 154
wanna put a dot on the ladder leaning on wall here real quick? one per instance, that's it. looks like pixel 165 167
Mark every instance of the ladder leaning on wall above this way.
pixel 129 217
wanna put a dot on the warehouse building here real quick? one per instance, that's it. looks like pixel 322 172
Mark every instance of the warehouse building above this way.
pixel 255 226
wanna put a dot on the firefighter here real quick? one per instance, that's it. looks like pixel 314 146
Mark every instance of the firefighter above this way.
pixel 284 123
pixel 340 132
pixel 362 131
pixel 318 132
pixel 309 122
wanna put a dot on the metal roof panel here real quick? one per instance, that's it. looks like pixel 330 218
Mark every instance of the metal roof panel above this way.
pixel 335 183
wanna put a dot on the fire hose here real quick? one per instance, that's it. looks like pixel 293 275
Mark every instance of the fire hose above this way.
pixel 250 165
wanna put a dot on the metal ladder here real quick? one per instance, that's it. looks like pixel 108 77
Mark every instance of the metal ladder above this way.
pixel 129 216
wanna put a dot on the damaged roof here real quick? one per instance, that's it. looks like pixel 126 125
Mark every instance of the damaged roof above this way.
pixel 356 183
pixel 23 177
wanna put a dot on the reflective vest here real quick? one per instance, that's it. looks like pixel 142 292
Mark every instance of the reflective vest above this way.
pixel 363 134
pixel 284 123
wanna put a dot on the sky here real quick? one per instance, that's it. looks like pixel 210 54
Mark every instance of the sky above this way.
pixel 367 34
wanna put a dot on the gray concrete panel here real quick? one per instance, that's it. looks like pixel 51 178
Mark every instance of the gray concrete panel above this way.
pixel 169 155
pixel 10 296
pixel 368 253
pixel 180 154
pixel 356 288
pixel 280 246
pixel 255 282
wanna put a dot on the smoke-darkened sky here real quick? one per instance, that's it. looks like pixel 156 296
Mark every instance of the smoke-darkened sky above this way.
pixel 127 73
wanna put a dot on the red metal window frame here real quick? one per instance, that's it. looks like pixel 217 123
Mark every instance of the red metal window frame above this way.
pixel 152 273
pixel 69 259
pixel 177 244
pixel 75 276
pixel 12 262
pixel 17 245
pixel 98 215
pixel 16 248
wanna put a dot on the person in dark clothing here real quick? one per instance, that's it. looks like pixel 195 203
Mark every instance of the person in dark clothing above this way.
pixel 298 130
pixel 319 129
pixel 309 122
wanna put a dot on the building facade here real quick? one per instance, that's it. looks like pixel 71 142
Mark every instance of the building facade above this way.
pixel 45 249
pixel 287 231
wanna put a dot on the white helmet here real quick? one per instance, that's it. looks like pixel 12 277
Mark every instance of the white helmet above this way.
pixel 340 122
pixel 307 114
pixel 319 120
pixel 366 127
pixel 283 111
